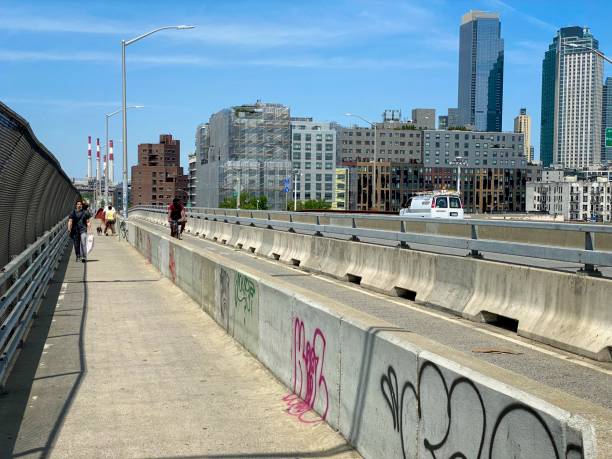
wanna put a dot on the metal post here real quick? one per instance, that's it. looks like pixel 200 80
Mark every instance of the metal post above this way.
pixel 475 253
pixel 295 175
pixel 125 139
pixel 238 196
pixel 589 269
pixel 374 177
pixel 459 179
pixel 106 165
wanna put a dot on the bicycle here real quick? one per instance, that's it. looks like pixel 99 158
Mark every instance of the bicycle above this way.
pixel 175 229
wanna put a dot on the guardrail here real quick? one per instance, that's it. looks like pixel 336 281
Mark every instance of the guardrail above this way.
pixel 23 283
pixel 589 245
pixel 35 193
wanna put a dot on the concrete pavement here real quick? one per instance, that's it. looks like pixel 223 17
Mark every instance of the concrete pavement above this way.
pixel 121 363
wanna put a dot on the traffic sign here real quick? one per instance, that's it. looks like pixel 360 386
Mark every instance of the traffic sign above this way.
pixel 608 137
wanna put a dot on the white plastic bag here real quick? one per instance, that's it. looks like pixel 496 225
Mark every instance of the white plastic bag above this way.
pixel 90 242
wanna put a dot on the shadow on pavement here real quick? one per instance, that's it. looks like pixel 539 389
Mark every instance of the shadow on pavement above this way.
pixel 28 427
pixel 331 452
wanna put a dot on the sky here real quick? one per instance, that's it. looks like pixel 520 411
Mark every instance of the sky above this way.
pixel 60 61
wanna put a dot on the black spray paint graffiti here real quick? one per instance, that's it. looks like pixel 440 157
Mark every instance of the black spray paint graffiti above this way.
pixel 244 293
pixel 408 402
pixel 225 292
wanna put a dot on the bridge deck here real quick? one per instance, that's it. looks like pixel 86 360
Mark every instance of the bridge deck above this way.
pixel 121 363
pixel 580 377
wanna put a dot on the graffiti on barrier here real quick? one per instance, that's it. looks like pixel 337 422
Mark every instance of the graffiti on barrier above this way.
pixel 411 406
pixel 148 252
pixel 244 293
pixel 309 384
pixel 225 293
pixel 172 263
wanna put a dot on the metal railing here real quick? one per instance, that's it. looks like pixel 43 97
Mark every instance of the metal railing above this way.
pixel 35 193
pixel 588 245
pixel 23 283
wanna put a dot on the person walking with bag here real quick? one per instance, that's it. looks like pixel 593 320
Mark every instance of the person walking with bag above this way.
pixel 79 223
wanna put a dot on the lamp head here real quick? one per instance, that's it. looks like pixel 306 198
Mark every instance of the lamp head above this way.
pixel 348 114
pixel 182 27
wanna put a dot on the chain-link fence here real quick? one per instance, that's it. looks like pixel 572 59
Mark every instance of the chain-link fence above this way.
pixel 35 193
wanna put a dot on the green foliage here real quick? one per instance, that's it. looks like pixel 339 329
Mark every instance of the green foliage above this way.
pixel 310 204
pixel 406 127
pixel 457 128
pixel 247 201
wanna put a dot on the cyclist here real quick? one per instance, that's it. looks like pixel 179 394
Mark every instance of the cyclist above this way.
pixel 176 217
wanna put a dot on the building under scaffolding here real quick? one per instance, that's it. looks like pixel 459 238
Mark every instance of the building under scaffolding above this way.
pixel 248 151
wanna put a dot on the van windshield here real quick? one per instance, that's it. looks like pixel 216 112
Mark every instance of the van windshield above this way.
pixel 455 203
pixel 441 203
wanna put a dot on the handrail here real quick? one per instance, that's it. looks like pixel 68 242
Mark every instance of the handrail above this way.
pixel 433 233
pixel 557 226
pixel 22 283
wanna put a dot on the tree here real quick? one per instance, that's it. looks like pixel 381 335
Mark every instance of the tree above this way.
pixel 247 201
pixel 310 204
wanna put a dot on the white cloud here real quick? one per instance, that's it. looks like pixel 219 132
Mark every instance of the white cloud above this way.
pixel 528 17
pixel 339 62
pixel 355 21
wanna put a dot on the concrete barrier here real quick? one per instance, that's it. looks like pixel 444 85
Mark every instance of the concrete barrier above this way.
pixel 391 393
pixel 561 309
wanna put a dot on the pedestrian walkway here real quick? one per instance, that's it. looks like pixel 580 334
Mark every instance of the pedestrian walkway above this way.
pixel 121 363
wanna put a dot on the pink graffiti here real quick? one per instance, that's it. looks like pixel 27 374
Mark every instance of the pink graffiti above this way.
pixel 309 384
pixel 172 264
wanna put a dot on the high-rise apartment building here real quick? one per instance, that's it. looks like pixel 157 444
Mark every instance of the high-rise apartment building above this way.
pixel 443 122
pixel 247 150
pixel 606 122
pixel 486 150
pixel 192 184
pixel 522 125
pixel 572 86
pixel 313 157
pixel 158 178
pixel 395 141
pixel 481 71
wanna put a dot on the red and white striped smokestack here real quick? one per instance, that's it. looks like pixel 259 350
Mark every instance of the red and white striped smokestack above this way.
pixel 111 164
pixel 98 159
pixel 89 169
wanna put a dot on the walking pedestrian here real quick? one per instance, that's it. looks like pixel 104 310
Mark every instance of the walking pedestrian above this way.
pixel 109 219
pixel 79 222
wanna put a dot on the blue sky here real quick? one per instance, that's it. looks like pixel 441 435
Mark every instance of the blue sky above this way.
pixel 60 61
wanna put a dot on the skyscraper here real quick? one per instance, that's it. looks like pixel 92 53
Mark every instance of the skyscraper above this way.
pixel 606 120
pixel 522 124
pixel 481 71
pixel 572 77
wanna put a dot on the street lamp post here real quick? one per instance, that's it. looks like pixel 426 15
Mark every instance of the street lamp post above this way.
pixel 459 161
pixel 593 50
pixel 125 44
pixel 108 115
pixel 374 175
pixel 296 174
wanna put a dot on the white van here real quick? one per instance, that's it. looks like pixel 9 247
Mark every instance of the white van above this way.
pixel 434 205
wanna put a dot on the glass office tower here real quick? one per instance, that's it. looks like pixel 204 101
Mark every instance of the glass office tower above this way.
pixel 481 71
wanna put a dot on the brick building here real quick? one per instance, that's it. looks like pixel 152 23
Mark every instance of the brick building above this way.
pixel 158 178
